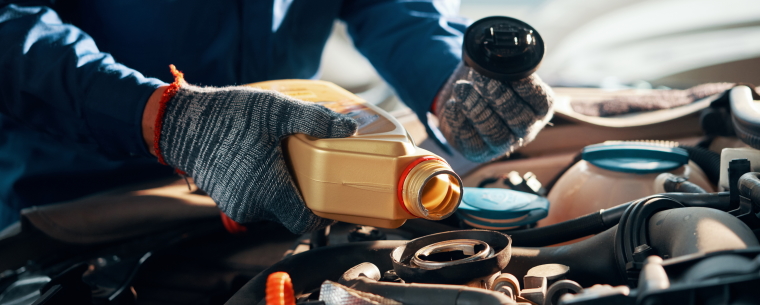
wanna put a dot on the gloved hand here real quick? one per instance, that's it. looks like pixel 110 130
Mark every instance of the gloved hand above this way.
pixel 485 118
pixel 228 140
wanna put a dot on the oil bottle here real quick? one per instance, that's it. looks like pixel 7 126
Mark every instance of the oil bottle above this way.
pixel 376 177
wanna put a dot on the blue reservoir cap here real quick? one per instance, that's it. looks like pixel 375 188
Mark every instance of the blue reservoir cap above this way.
pixel 495 207
pixel 635 158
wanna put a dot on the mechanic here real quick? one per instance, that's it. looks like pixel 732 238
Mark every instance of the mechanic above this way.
pixel 88 103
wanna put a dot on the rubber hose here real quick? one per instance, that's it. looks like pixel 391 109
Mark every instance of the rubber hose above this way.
pixel 746 135
pixel 686 187
pixel 678 184
pixel 597 222
pixel 671 233
pixel 743 133
pixel 564 231
pixel 591 261
pixel 631 241
pixel 684 231
pixel 707 160
pixel 719 201
pixel 536 237
pixel 749 186
pixel 674 232
pixel 589 224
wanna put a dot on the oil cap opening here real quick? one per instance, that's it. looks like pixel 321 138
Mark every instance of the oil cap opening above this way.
pixel 430 189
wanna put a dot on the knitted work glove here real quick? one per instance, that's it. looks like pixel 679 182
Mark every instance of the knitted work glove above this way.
pixel 485 118
pixel 228 140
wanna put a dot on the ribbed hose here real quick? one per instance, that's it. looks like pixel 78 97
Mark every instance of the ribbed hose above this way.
pixel 675 233
pixel 708 161
pixel 279 289
pixel 747 136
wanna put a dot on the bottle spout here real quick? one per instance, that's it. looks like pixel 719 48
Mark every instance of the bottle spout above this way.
pixel 430 189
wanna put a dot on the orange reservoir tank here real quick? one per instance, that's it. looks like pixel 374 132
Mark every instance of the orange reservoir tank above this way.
pixel 617 172
pixel 376 177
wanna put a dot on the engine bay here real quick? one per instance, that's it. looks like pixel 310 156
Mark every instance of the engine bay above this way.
pixel 622 221
pixel 634 193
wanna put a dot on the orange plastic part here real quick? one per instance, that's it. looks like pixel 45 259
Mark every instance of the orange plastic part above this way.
pixel 280 289
pixel 232 226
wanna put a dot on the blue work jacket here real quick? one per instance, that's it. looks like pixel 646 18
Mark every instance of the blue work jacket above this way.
pixel 72 92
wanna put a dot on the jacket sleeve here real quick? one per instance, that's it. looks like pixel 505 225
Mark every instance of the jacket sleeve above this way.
pixel 414 45
pixel 55 80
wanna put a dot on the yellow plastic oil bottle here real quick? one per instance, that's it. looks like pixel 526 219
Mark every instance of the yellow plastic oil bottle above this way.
pixel 376 177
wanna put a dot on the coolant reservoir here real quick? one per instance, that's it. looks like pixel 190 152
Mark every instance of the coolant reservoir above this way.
pixel 378 176
pixel 611 174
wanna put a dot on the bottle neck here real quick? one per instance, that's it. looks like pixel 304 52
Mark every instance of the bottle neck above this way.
pixel 432 190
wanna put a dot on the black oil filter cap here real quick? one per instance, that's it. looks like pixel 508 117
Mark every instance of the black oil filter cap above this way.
pixel 502 48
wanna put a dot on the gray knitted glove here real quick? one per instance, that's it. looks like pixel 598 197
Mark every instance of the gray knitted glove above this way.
pixel 484 118
pixel 228 140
